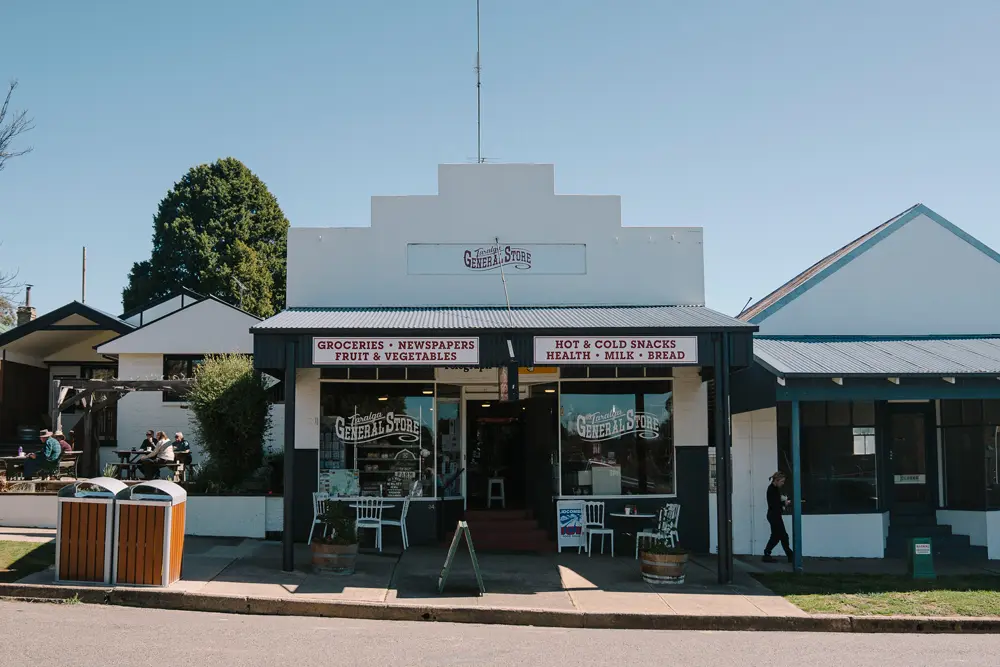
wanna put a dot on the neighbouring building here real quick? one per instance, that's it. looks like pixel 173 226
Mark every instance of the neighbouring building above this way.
pixel 498 344
pixel 171 337
pixel 886 354
pixel 164 339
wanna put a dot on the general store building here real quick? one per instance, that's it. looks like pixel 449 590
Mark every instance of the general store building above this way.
pixel 498 330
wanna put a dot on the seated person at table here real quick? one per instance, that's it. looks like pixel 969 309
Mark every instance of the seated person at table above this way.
pixel 149 444
pixel 66 447
pixel 151 462
pixel 182 450
pixel 45 461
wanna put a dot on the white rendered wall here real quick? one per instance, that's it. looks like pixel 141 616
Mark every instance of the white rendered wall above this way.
pixel 755 457
pixel 993 535
pixel 28 510
pixel 920 266
pixel 841 535
pixel 690 397
pixel 307 408
pixel 226 516
pixel 368 266
pixel 973 524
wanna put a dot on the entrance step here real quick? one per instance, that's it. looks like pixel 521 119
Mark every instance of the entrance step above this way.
pixel 919 530
pixel 919 519
pixel 499 515
pixel 942 545
pixel 506 531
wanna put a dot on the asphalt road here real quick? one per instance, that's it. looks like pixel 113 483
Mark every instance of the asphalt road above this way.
pixel 99 636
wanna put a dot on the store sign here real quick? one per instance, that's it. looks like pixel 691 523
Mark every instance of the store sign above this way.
pixel 395 351
pixel 449 259
pixel 375 426
pixel 620 350
pixel 600 426
pixel 570 528
pixel 909 479
pixel 494 256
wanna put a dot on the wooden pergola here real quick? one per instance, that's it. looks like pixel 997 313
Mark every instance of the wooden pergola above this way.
pixel 90 397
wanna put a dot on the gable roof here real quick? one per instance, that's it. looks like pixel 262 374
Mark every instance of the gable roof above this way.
pixel 184 309
pixel 49 320
pixel 181 291
pixel 835 261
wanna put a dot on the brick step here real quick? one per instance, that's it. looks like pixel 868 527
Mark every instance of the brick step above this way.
pixel 499 515
pixel 505 545
pixel 507 527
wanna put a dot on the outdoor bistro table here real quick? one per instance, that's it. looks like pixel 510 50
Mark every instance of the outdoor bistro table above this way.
pixel 128 459
pixel 622 515
pixel 9 463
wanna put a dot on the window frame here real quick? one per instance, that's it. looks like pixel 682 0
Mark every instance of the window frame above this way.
pixel 190 360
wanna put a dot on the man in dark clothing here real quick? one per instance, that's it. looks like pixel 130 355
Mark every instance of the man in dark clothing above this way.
pixel 149 444
pixel 775 508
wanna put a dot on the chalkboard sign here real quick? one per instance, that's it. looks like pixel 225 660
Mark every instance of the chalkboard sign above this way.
pixel 462 529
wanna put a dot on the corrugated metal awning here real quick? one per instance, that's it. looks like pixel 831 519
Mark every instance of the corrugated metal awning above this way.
pixel 879 357
pixel 694 318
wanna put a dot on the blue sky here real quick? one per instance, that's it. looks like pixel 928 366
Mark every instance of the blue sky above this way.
pixel 785 129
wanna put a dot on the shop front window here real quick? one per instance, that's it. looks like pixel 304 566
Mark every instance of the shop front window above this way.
pixel 617 438
pixel 970 434
pixel 377 439
pixel 449 442
pixel 838 450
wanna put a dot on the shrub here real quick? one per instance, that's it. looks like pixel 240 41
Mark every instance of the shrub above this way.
pixel 232 418
pixel 341 526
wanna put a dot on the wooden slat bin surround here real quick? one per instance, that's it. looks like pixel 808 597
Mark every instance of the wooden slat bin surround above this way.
pixel 84 530
pixel 149 534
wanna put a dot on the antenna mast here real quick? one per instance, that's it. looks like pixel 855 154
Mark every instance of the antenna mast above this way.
pixel 479 96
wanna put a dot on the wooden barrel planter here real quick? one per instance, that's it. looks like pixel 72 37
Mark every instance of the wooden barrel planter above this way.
pixel 334 558
pixel 663 569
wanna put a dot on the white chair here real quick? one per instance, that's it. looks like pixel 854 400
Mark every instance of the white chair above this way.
pixel 369 515
pixel 666 528
pixel 320 501
pixel 401 523
pixel 498 482
pixel 593 524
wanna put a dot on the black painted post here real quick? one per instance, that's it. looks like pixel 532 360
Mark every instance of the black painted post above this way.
pixel 287 535
pixel 723 460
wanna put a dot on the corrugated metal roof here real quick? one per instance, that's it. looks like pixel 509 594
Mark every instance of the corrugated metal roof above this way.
pixel 536 317
pixel 883 357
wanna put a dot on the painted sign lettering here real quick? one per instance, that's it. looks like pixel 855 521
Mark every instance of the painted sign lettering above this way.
pixel 493 257
pixel 618 350
pixel 600 426
pixel 377 425
pixel 396 351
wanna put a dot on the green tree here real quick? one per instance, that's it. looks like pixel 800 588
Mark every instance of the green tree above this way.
pixel 219 231
pixel 232 417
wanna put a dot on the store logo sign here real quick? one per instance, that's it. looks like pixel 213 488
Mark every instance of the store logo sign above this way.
pixel 493 257
pixel 600 426
pixel 377 425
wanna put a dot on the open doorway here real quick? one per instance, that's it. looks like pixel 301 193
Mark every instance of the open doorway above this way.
pixel 496 449
pixel 516 441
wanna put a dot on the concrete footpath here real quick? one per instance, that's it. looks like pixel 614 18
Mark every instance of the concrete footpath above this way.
pixel 555 590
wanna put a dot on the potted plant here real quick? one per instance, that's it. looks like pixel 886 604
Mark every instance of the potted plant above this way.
pixel 336 551
pixel 661 564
